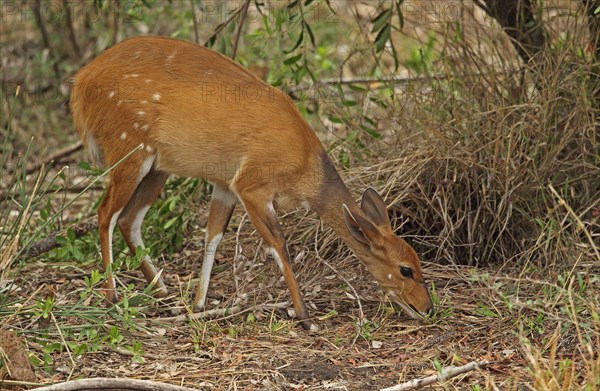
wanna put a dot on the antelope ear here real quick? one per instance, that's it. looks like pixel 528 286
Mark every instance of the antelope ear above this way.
pixel 362 229
pixel 375 209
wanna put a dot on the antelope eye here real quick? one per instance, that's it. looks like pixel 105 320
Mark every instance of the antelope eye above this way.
pixel 406 272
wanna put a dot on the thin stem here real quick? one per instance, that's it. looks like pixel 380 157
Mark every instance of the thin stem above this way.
pixel 195 20
pixel 238 31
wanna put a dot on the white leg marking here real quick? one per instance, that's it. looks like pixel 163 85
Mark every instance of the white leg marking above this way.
pixel 276 257
pixel 225 196
pixel 94 150
pixel 145 169
pixel 136 225
pixel 271 208
pixel 207 265
pixel 111 228
pixel 136 231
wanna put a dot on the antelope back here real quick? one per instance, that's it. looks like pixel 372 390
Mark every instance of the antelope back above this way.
pixel 198 112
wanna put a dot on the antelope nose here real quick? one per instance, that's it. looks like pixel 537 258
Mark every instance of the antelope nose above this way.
pixel 428 312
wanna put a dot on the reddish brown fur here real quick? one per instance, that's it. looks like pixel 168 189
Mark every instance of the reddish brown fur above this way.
pixel 199 114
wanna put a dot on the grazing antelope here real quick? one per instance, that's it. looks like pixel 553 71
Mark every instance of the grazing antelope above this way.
pixel 192 112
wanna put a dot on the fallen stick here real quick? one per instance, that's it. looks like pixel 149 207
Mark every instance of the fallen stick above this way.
pixel 48 243
pixel 236 309
pixel 56 157
pixel 445 374
pixel 104 383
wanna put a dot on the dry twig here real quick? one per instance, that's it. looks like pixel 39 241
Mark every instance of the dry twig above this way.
pixel 236 309
pixel 444 375
pixel 238 31
pixel 102 383
pixel 56 157
pixel 48 243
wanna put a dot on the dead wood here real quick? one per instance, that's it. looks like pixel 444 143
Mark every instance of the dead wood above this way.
pixel 48 243
pixel 444 375
pixel 56 157
pixel 102 383
pixel 229 311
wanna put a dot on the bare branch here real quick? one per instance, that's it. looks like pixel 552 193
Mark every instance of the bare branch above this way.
pixel 102 383
pixel 195 20
pixel 221 312
pixel 444 375
pixel 48 243
pixel 238 31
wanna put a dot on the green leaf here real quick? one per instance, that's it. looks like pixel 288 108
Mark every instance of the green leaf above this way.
pixel 382 38
pixel 485 311
pixel 292 60
pixel 310 34
pixel 372 132
pixel 297 44
pixel 381 20
pixel 356 88
pixel 71 234
pixel 437 365
pixel 169 223
pixel 370 120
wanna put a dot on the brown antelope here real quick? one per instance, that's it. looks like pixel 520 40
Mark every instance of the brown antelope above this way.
pixel 193 112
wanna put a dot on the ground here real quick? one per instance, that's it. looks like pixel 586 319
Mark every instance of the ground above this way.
pixel 261 346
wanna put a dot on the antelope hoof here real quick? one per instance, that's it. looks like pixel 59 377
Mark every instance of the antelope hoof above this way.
pixel 197 308
pixel 111 296
pixel 309 326
pixel 160 291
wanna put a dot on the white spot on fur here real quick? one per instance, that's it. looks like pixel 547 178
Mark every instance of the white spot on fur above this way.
pixel 119 102
pixel 156 97
pixel 136 125
pixel 141 112
pixel 390 276
pixel 143 102
pixel 123 136
pixel 134 75
pixel 149 149
pixel 111 94
pixel 145 127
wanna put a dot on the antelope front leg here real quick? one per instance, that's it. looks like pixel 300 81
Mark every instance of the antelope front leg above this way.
pixel 222 204
pixel 262 215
